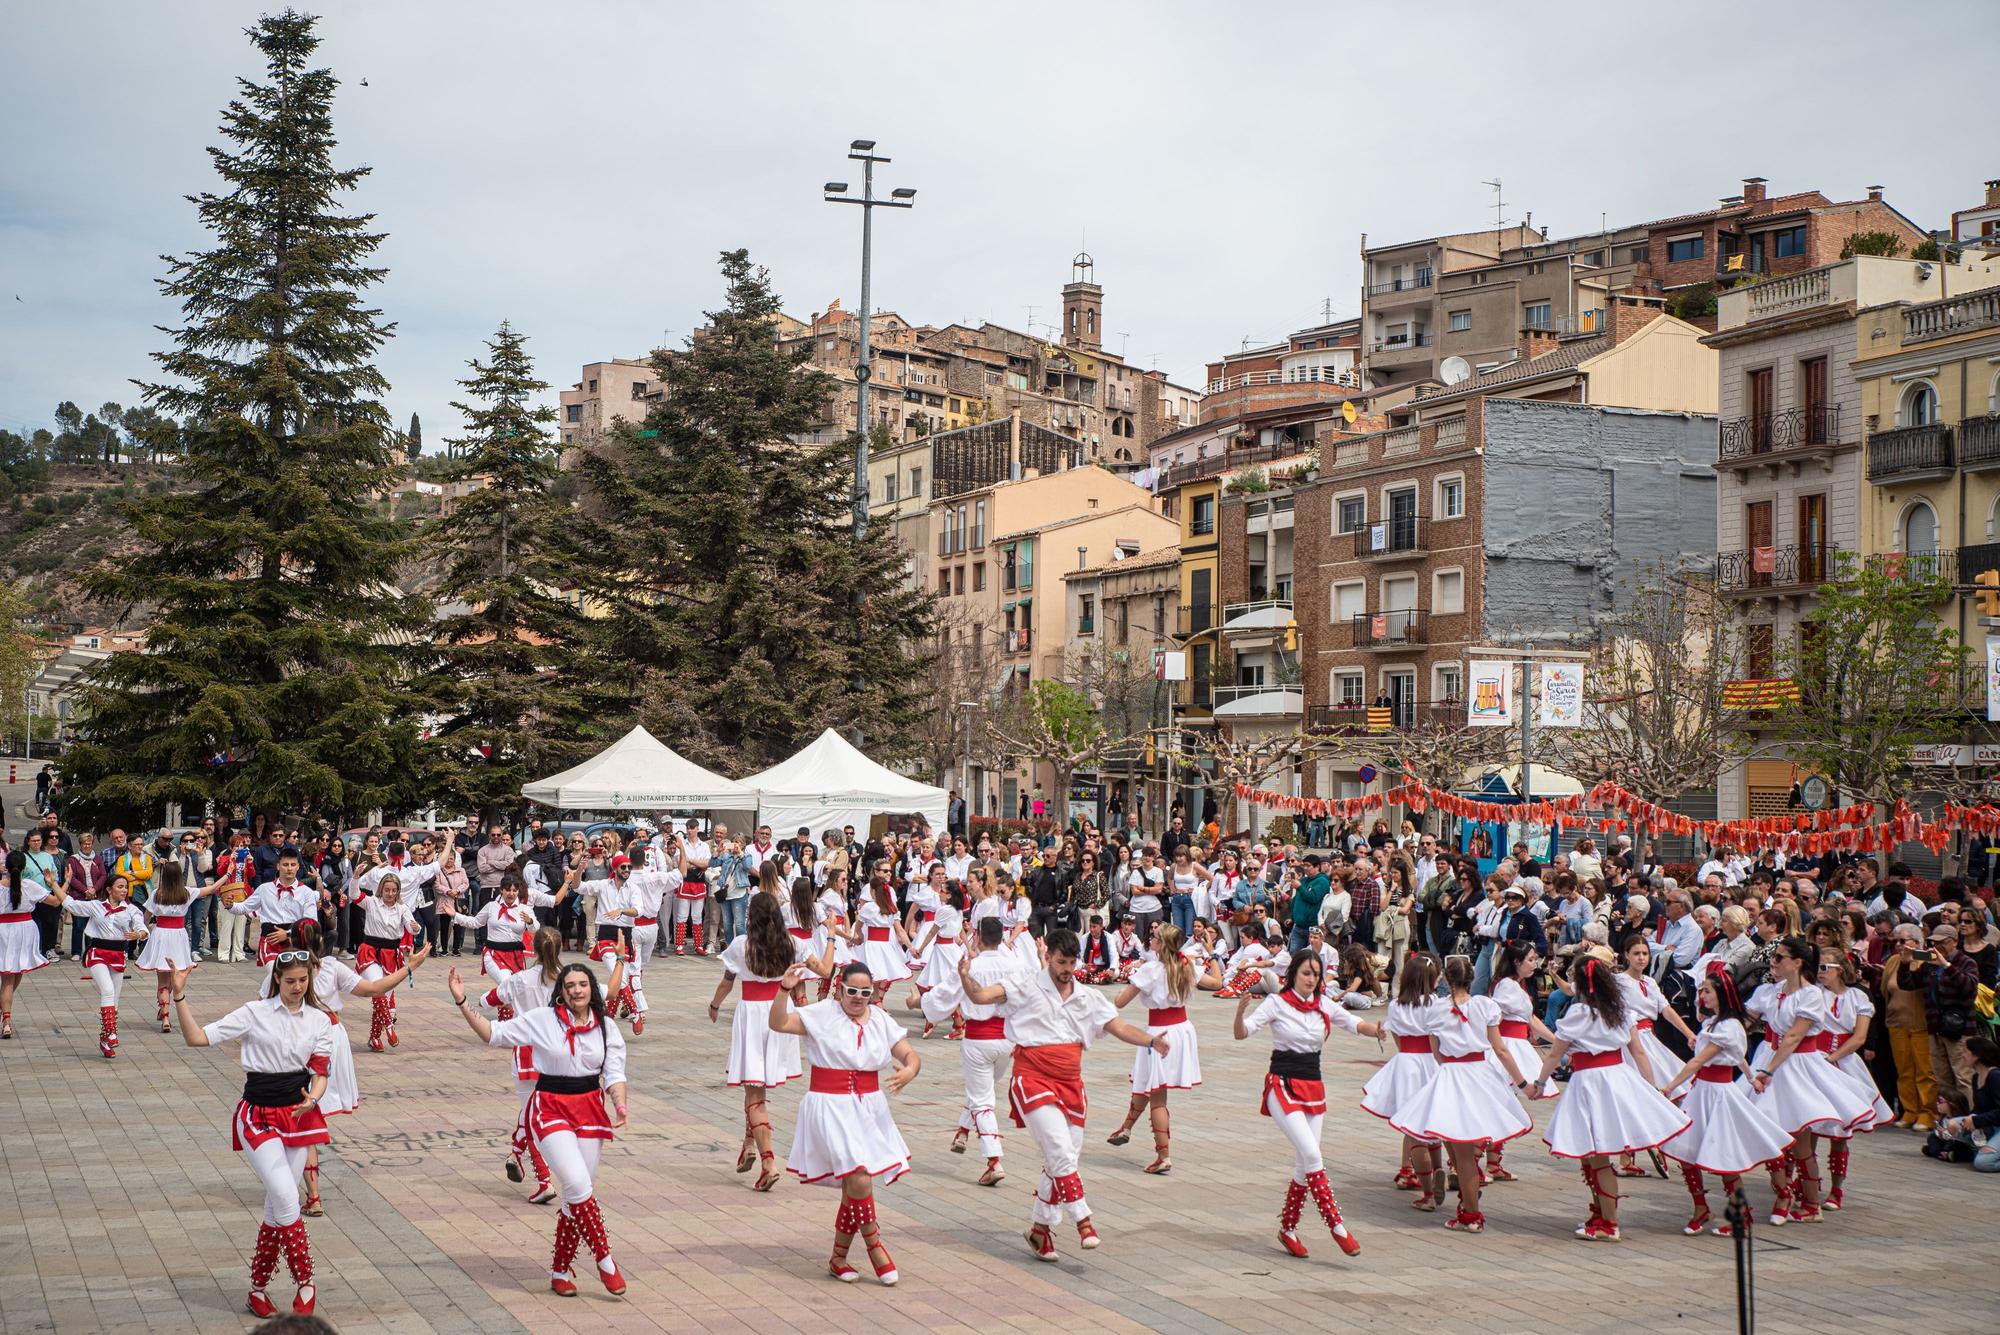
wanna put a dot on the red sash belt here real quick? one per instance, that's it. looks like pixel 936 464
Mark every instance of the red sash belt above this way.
pixel 756 991
pixel 1514 1029
pixel 1716 1075
pixel 802 933
pixel 1590 1061
pixel 645 922
pixel 1168 1015
pixel 840 1080
pixel 164 921
pixel 1468 1057
pixel 1419 1044
pixel 16 917
pixel 1646 1025
pixel 945 941
pixel 1822 1042
pixel 878 933
pixel 991 1027
pixel 1055 1062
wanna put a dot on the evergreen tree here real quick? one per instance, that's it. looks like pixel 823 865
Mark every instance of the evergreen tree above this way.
pixel 506 684
pixel 272 674
pixel 415 440
pixel 742 617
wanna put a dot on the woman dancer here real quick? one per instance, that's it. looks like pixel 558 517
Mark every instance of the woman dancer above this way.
pixel 1519 1027
pixel 1464 1106
pixel 926 898
pixel 507 923
pixel 1804 1093
pixel 521 992
pixel 167 947
pixel 386 923
pixel 759 1058
pixel 1648 1005
pixel 830 917
pixel 111 925
pixel 942 944
pixel 579 1062
pixel 1849 1015
pixel 333 983
pixel 287 1050
pixel 881 936
pixel 1301 1018
pixel 1727 1133
pixel 846 1136
pixel 1165 982
pixel 1404 1075
pixel 1609 1107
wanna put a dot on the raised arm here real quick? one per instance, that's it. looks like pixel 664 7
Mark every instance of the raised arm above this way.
pixel 479 1023
pixel 991 994
pixel 783 1020
pixel 191 1032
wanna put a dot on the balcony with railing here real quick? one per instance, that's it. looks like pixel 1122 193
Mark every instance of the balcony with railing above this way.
pixel 1390 630
pixel 1268 616
pixel 1979 443
pixel 1416 282
pixel 1262 700
pixel 1766 570
pixel 1399 538
pixel 1780 437
pixel 1393 717
pixel 1394 343
pixel 951 542
pixel 1304 375
pixel 1954 315
pixel 1910 453
pixel 978 536
pixel 1020 641
pixel 1211 465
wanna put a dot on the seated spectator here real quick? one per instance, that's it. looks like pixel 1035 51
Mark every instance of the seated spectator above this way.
pixel 1974 1137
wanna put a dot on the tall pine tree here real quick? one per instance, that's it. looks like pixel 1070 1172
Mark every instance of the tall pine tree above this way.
pixel 742 616
pixel 273 673
pixel 509 689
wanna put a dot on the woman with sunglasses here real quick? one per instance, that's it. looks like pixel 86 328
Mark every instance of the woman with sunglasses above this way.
pixel 333 983
pixel 111 925
pixel 579 1060
pixel 760 1057
pixel 287 1046
pixel 846 1135
pixel 1850 1015
pixel 1301 1017
pixel 1798 1087
pixel 519 993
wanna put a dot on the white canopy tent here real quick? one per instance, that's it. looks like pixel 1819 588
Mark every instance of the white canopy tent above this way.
pixel 639 772
pixel 831 784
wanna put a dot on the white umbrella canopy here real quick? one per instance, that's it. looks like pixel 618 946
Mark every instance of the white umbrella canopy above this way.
pixel 830 784
pixel 639 772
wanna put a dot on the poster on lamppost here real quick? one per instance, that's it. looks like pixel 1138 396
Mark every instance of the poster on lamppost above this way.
pixel 1562 696
pixel 1489 698
pixel 1993 678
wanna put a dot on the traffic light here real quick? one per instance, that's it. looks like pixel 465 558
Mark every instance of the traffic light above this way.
pixel 1292 632
pixel 1987 594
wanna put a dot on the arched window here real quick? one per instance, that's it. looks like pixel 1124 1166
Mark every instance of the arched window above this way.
pixel 1920 406
pixel 1919 533
pixel 1090 321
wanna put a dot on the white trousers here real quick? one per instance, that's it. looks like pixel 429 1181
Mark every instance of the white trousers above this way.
pixel 986 1061
pixel 108 983
pixel 689 910
pixel 279 1165
pixel 230 933
pixel 1303 1132
pixel 1060 1143
pixel 573 1161
pixel 644 940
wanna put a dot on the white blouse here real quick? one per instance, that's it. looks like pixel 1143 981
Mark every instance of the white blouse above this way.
pixel 1151 980
pixel 1845 1010
pixel 1513 1000
pixel 1038 1016
pixel 505 924
pixel 562 1049
pixel 274 1039
pixel 1411 1021
pixel 1643 997
pixel 838 1043
pixel 108 923
pixel 1581 1028
pixel 1461 1030
pixel 950 924
pixel 1731 1042
pixel 735 959
pixel 646 890
pixel 279 904
pixel 1294 1030
pixel 380 921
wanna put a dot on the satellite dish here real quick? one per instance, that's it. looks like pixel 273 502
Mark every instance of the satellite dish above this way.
pixel 1347 411
pixel 1454 369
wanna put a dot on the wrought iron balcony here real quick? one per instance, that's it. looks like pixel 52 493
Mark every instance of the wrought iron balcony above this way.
pixel 1393 717
pixel 1776 569
pixel 1911 452
pixel 1421 279
pixel 1389 630
pixel 1979 443
pixel 1815 427
pixel 1400 538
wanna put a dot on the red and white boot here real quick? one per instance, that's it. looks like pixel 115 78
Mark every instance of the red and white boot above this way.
pixel 561 1281
pixel 264 1264
pixel 680 938
pixel 846 1223
pixel 107 1030
pixel 695 929
pixel 298 1258
pixel 378 1020
pixel 1288 1219
pixel 1329 1210
pixel 590 1224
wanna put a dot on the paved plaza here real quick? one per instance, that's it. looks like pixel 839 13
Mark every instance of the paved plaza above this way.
pixel 123 1208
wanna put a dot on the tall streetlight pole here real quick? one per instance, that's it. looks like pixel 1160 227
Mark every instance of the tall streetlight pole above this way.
pixel 863 152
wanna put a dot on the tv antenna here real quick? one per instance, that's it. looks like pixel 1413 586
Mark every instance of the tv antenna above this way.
pixel 1031 319
pixel 1499 204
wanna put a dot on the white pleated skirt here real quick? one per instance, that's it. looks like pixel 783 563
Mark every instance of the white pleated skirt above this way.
pixel 1463 1103
pixel 1727 1132
pixel 757 1055
pixel 1179 1069
pixel 1611 1110
pixel 839 1134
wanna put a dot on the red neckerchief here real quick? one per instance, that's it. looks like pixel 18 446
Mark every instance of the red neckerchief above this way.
pixel 1299 1003
pixel 506 911
pixel 1459 1013
pixel 571 1030
pixel 282 888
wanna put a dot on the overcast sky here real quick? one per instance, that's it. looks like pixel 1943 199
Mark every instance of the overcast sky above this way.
pixel 576 166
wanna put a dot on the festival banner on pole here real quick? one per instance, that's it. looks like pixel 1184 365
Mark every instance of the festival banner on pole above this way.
pixel 1562 696
pixel 1489 703
pixel 1993 678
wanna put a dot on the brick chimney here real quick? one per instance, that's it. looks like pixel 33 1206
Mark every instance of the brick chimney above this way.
pixel 1875 194
pixel 1993 194
pixel 1537 342
pixel 1628 317
pixel 1753 192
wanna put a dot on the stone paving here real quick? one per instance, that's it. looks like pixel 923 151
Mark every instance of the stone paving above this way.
pixel 124 1208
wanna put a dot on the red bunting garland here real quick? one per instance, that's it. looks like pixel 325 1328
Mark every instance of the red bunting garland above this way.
pixel 1851 829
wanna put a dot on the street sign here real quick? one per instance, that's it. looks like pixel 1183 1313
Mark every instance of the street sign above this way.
pixel 1169 665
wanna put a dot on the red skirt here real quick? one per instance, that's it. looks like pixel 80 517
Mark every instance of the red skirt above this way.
pixel 512 959
pixel 269 946
pixel 1294 1096
pixel 582 1115
pixel 252 1126
pixel 1045 1076
pixel 390 959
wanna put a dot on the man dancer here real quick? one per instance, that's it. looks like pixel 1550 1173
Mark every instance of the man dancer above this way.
pixel 1050 1021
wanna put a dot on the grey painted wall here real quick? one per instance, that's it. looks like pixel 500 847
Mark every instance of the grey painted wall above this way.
pixel 1578 499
